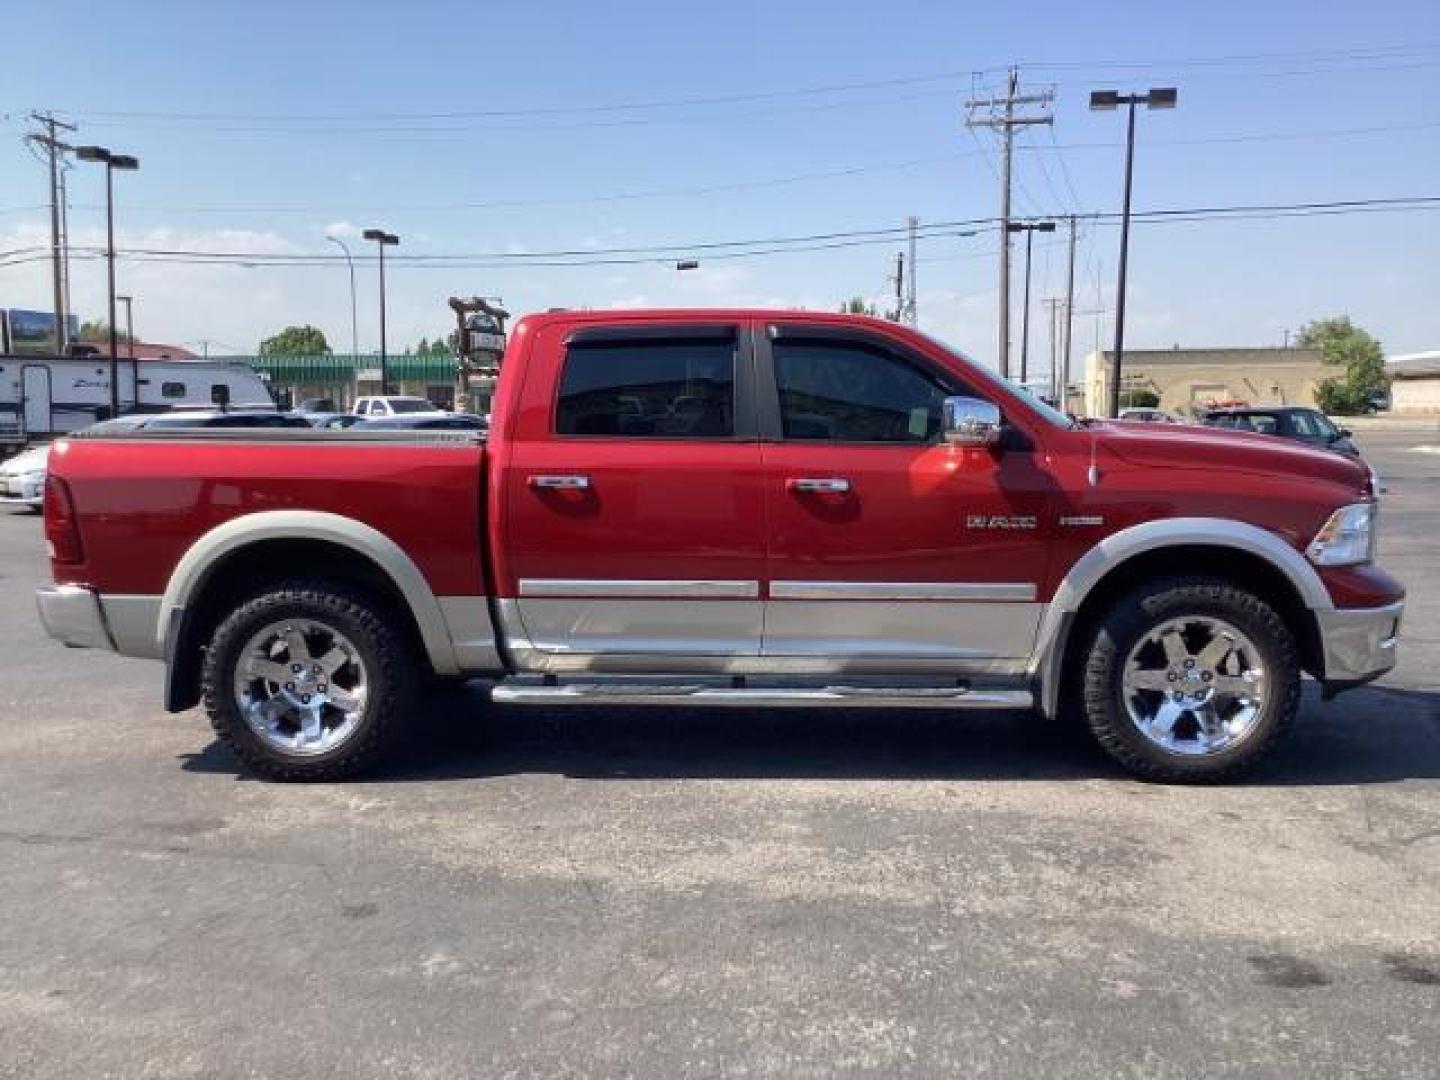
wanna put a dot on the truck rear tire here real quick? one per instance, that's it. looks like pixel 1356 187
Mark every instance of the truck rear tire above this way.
pixel 309 681
pixel 1188 679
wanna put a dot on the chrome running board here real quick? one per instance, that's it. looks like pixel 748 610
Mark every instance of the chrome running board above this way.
pixel 870 697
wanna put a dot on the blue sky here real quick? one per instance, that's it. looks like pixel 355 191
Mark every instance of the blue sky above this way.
pixel 262 126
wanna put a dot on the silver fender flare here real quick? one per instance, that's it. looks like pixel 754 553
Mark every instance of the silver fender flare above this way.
pixel 195 565
pixel 1053 636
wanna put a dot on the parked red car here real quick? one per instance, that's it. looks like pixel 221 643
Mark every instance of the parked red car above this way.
pixel 737 508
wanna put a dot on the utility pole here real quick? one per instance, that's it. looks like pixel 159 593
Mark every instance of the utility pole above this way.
pixel 54 146
pixel 1065 354
pixel 1052 304
pixel 912 314
pixel 65 251
pixel 899 315
pixel 999 114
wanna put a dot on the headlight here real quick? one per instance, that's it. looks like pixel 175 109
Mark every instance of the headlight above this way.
pixel 1347 538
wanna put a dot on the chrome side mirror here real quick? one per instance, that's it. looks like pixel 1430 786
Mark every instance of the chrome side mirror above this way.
pixel 968 421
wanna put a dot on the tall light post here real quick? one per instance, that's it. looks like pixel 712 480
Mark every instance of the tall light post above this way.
pixel 1029 228
pixel 111 161
pixel 382 240
pixel 1162 97
pixel 129 301
pixel 354 324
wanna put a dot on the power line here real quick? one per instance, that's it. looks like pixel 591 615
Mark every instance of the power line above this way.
pixel 837 172
pixel 733 249
pixel 1359 54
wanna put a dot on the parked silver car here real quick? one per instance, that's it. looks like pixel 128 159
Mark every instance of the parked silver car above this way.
pixel 22 477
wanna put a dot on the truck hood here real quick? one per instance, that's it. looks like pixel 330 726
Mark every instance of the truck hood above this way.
pixel 1191 446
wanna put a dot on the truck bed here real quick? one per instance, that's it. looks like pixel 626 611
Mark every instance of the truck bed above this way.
pixel 144 498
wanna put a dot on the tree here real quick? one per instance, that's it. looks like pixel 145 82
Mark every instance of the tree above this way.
pixel 1343 344
pixel 1139 399
pixel 856 305
pixel 296 341
pixel 95 330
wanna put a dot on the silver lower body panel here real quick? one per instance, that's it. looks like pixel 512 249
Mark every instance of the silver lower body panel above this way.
pixel 801 637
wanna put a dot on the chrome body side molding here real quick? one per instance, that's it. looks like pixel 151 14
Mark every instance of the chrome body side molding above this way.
pixel 639 588
pixel 903 590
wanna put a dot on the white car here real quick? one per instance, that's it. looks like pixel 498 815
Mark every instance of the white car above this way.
pixel 22 478
pixel 1149 415
pixel 373 408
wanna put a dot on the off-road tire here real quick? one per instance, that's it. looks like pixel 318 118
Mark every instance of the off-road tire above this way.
pixel 1096 677
pixel 388 657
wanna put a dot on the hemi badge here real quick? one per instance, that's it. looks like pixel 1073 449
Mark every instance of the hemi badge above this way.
pixel 1082 519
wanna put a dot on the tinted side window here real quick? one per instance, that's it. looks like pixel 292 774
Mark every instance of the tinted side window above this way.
pixel 648 389
pixel 172 389
pixel 850 392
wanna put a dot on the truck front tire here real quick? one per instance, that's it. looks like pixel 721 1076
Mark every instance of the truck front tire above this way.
pixel 1188 679
pixel 309 681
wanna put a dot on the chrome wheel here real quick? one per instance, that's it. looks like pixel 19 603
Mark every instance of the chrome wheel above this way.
pixel 1194 686
pixel 301 686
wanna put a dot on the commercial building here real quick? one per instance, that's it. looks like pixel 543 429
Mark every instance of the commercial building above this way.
pixel 343 378
pixel 1186 380
pixel 1415 382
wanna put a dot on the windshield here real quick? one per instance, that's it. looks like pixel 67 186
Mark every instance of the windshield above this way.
pixel 410 405
pixel 1049 412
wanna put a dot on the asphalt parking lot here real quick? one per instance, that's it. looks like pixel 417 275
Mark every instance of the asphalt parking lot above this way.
pixel 661 894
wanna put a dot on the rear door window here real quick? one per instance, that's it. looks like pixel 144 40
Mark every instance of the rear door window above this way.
pixel 648 389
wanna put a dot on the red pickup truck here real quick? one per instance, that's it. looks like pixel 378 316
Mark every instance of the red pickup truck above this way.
pixel 738 508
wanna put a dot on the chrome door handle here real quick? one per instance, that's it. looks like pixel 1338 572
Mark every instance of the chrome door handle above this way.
pixel 572 482
pixel 825 485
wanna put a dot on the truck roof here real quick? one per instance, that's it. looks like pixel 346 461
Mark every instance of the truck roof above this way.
pixel 654 315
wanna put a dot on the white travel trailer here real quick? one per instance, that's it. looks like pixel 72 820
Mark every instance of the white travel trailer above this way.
pixel 45 396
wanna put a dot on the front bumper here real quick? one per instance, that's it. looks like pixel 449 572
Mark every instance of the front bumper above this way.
pixel 72 614
pixel 1359 643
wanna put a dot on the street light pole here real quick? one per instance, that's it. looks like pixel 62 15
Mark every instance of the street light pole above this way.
pixel 1029 228
pixel 1158 98
pixel 129 301
pixel 1115 364
pixel 354 323
pixel 382 240
pixel 1025 314
pixel 110 269
pixel 111 161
